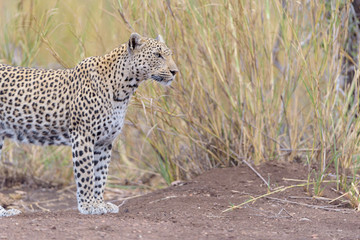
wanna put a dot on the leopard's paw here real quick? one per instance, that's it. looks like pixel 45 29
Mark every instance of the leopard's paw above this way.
pixel 8 213
pixel 98 208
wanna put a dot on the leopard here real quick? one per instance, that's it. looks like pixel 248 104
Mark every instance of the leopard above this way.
pixel 82 107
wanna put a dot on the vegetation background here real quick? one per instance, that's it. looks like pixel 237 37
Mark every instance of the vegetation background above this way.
pixel 259 81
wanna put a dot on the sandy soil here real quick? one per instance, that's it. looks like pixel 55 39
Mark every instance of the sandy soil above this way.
pixel 193 210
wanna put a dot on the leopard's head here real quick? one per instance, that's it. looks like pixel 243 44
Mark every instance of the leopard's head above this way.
pixel 151 59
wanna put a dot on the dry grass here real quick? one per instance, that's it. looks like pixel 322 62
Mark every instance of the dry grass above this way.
pixel 257 81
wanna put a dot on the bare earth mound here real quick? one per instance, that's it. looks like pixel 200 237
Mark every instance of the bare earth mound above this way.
pixel 194 211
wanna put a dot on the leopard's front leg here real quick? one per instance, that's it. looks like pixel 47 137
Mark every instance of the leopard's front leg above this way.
pixel 102 157
pixel 83 161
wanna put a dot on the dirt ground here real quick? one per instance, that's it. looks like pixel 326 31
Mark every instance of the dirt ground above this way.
pixel 193 210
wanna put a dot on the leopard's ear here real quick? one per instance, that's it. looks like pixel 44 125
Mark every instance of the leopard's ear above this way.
pixel 134 42
pixel 160 38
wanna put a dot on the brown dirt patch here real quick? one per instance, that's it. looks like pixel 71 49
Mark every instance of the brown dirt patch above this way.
pixel 192 211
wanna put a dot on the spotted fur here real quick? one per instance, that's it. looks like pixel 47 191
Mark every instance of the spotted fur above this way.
pixel 83 107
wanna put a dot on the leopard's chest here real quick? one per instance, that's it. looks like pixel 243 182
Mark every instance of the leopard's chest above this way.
pixel 111 126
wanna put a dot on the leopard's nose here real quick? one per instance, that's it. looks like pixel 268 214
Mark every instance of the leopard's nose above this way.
pixel 173 72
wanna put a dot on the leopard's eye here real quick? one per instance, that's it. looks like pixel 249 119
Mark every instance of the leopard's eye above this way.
pixel 158 55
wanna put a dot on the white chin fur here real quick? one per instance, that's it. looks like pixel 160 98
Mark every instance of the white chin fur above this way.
pixel 168 83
